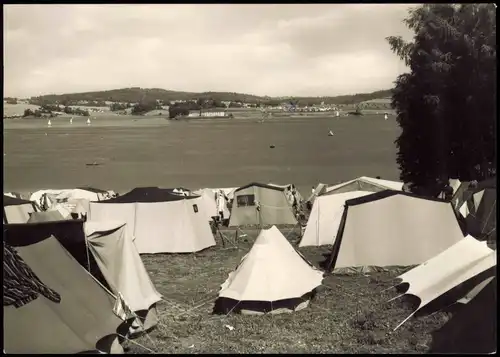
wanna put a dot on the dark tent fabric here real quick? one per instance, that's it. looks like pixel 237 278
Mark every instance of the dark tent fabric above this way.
pixel 148 194
pixel 82 320
pixel 45 216
pixel 70 233
pixel 11 201
pixel 473 328
pixel 224 306
pixel 489 183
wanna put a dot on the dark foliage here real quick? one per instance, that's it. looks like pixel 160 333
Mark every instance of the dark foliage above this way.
pixel 446 105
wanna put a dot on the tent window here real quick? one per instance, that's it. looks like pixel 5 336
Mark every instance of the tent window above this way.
pixel 245 200
pixel 195 208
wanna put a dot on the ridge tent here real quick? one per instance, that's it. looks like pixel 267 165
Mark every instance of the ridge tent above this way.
pixel 473 328
pixel 16 210
pixel 122 267
pixel 159 221
pixel 392 228
pixel 365 183
pixel 324 219
pixel 466 259
pixel 106 254
pixel 261 204
pixel 273 277
pixel 51 304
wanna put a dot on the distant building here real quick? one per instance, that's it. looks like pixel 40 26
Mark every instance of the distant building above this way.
pixel 208 113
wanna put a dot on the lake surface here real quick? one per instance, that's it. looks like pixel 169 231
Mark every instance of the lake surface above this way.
pixel 197 153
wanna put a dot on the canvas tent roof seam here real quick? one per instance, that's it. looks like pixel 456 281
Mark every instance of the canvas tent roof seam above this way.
pixel 387 193
pixel 263 185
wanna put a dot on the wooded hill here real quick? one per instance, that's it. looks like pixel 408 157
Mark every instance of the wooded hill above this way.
pixel 136 95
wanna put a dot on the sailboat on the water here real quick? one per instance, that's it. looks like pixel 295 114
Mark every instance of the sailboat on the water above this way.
pixel 49 123
pixel 71 120
pixel 88 121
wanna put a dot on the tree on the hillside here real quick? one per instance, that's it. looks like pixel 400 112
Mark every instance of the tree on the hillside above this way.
pixel 28 113
pixel 446 105
pixel 180 109
pixel 144 107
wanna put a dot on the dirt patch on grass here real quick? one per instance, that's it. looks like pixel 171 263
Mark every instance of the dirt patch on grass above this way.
pixel 349 314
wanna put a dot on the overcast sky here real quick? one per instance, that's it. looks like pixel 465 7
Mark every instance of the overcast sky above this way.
pixel 276 50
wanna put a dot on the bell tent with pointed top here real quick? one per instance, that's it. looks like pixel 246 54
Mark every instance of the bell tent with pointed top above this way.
pixel 272 277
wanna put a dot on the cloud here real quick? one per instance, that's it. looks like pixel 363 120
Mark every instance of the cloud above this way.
pixel 316 49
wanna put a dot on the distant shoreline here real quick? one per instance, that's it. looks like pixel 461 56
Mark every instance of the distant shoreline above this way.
pixel 250 115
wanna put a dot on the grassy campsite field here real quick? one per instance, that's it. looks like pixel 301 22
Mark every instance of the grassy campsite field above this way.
pixel 143 151
pixel 348 315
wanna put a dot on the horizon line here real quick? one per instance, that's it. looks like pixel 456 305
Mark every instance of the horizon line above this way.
pixel 204 92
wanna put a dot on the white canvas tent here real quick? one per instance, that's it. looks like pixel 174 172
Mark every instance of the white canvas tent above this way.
pixel 325 217
pixel 81 321
pixel 272 272
pixel 16 210
pixel 159 221
pixel 392 228
pixel 122 267
pixel 462 261
pixel 365 183
pixel 211 203
pixel 47 198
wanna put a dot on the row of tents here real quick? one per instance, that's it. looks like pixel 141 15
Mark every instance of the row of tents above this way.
pixel 375 230
pixel 163 220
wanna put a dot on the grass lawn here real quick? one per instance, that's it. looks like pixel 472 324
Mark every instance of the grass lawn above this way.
pixel 350 314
